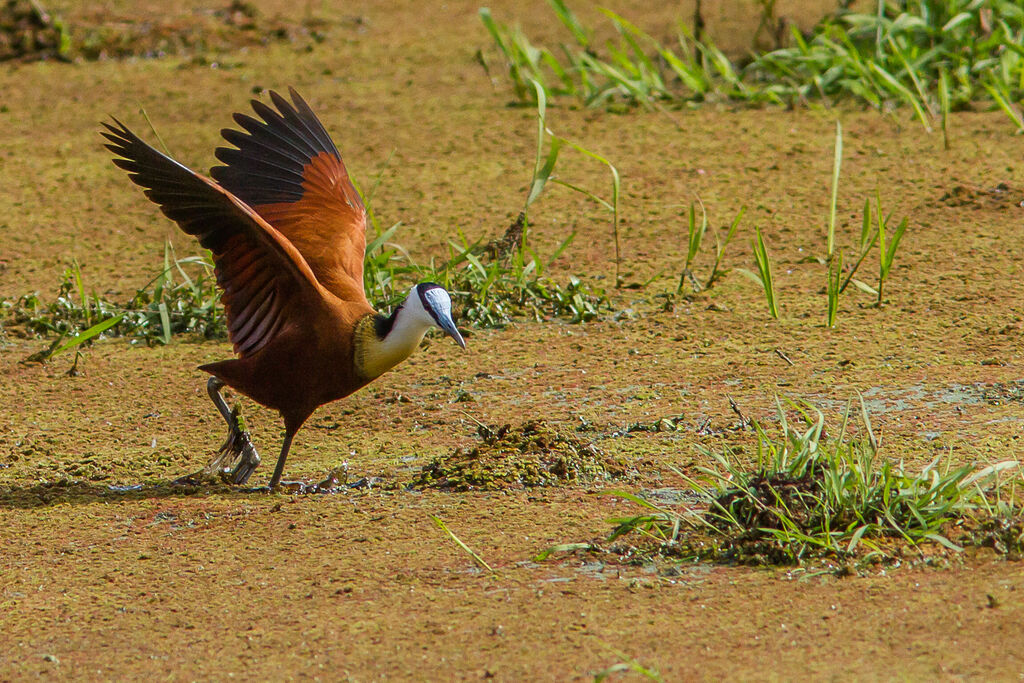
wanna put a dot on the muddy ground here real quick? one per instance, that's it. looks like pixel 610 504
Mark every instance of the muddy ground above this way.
pixel 97 582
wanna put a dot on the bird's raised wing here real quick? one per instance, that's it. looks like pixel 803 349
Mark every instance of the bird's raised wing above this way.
pixel 288 170
pixel 263 275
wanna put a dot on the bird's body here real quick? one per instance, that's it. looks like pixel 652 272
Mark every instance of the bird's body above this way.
pixel 287 231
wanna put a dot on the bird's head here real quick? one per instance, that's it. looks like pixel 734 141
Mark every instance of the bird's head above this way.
pixel 434 304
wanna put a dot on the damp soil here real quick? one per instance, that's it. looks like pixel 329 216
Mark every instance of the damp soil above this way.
pixel 109 571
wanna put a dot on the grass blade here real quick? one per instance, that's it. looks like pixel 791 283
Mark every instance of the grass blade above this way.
pixel 764 269
pixel 94 331
pixel 476 558
pixel 837 163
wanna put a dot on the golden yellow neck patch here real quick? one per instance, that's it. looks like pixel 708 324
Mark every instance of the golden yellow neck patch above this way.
pixel 375 356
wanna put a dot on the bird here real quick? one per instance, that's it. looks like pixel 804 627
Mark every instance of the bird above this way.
pixel 286 228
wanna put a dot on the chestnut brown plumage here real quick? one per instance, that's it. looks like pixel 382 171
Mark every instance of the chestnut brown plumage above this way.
pixel 286 228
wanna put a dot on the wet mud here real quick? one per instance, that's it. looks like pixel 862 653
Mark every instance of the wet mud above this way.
pixel 109 571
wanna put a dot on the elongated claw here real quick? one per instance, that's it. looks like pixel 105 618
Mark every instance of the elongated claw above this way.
pixel 246 462
pixel 236 459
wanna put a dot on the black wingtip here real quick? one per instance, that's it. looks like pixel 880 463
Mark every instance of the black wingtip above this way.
pixel 119 134
pixel 266 164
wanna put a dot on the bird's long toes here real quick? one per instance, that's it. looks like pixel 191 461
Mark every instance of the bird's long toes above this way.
pixel 336 480
pixel 246 462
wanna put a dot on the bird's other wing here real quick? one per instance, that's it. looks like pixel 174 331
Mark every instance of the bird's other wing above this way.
pixel 286 168
pixel 263 275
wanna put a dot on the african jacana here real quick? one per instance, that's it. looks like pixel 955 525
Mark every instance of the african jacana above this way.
pixel 287 230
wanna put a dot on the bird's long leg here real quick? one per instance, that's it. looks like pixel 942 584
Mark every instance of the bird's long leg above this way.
pixel 279 469
pixel 213 387
pixel 237 459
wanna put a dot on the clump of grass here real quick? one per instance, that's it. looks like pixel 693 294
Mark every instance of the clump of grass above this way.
pixel 173 302
pixel 916 53
pixel 636 70
pixel 695 235
pixel 835 284
pixel 493 292
pixel 806 496
pixel 886 250
pixel 720 246
pixel 931 56
pixel 869 237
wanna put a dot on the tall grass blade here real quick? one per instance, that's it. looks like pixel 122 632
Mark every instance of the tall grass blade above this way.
pixel 764 272
pixel 569 20
pixel 944 105
pixel 833 288
pixel 837 163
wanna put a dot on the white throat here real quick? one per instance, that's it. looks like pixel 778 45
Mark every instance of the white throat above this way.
pixel 410 324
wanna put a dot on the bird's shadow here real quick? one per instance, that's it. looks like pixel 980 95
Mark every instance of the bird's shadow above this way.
pixel 73 492
pixel 68 492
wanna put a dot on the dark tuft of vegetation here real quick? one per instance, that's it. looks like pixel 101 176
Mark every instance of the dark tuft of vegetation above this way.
pixel 533 454
pixel 28 32
pixel 806 497
pixel 1001 529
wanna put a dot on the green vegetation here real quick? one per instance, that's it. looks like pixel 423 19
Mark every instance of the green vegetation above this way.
pixel 833 288
pixel 916 53
pixel 439 523
pixel 544 167
pixel 173 302
pixel 763 276
pixel 637 70
pixel 695 236
pixel 807 496
pixel 837 164
pixel 934 57
pixel 835 283
pixel 886 251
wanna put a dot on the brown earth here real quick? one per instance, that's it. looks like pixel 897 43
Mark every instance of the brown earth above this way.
pixel 97 583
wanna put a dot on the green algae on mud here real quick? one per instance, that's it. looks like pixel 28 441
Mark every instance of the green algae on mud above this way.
pixel 361 583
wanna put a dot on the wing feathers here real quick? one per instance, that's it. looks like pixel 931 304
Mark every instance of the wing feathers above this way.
pixel 303 118
pixel 285 166
pixel 283 220
pixel 262 274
